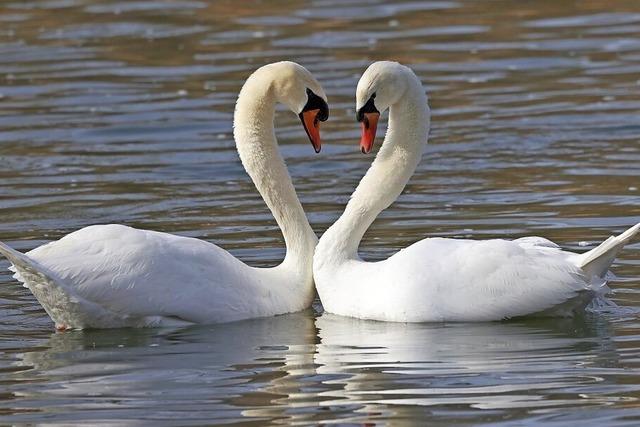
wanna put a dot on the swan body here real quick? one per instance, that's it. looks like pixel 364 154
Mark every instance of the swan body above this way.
pixel 439 279
pixel 106 276
pixel 114 276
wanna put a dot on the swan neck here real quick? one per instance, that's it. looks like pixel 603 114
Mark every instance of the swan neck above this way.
pixel 396 161
pixel 258 150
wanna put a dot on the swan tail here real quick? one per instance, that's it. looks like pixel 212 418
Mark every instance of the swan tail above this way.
pixel 66 308
pixel 597 261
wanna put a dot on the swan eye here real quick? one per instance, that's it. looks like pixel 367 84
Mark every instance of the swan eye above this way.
pixel 314 102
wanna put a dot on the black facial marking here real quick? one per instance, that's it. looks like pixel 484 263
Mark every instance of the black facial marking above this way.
pixel 314 102
pixel 369 107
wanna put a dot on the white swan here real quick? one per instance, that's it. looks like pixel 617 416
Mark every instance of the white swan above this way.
pixel 106 276
pixel 437 279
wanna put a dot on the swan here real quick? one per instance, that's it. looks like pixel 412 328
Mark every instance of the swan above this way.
pixel 107 276
pixel 439 279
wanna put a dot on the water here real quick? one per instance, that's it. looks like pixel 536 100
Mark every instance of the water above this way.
pixel 121 112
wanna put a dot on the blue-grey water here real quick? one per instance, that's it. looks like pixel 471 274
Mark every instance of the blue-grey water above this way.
pixel 120 112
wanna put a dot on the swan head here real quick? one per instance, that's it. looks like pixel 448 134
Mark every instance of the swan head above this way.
pixel 383 84
pixel 294 86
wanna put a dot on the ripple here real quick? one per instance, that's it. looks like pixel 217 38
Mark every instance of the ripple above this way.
pixel 600 19
pixel 120 29
pixel 119 111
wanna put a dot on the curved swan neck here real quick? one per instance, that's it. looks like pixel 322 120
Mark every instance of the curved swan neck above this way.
pixel 396 161
pixel 257 146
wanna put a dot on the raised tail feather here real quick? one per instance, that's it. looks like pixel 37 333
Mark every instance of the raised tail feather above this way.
pixel 596 262
pixel 59 300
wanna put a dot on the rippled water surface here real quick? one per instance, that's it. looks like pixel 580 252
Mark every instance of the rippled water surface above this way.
pixel 121 112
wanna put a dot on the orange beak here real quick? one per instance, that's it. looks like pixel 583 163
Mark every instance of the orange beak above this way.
pixel 369 125
pixel 312 127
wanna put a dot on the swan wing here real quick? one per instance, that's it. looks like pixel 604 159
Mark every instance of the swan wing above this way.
pixel 536 241
pixel 58 298
pixel 137 275
pixel 492 279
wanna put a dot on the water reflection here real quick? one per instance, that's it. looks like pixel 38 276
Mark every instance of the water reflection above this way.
pixel 297 369
pixel 496 366
pixel 194 374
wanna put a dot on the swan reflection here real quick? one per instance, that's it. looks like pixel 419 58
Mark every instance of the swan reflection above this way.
pixel 228 371
pixel 300 369
pixel 482 365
